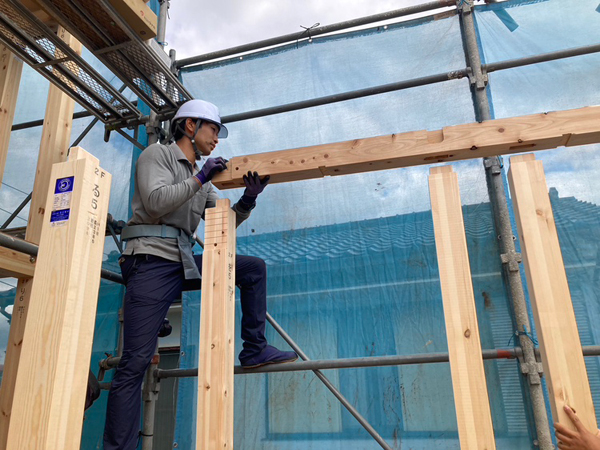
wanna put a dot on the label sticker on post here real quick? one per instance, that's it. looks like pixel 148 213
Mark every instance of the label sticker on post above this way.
pixel 61 206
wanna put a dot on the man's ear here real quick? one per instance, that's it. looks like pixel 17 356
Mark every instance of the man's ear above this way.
pixel 190 125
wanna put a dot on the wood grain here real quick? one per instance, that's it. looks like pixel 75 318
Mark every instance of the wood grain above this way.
pixel 214 428
pixel 52 375
pixel 560 346
pixel 474 140
pixel 471 399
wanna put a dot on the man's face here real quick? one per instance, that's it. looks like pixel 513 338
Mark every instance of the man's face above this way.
pixel 207 138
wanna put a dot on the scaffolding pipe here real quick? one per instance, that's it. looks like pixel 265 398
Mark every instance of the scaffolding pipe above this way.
pixel 422 81
pixel 30 249
pixel 316 31
pixel 343 96
pixel 544 57
pixel 349 363
pixel 510 258
pixel 151 384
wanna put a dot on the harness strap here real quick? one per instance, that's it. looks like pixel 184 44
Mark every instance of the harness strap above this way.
pixel 162 231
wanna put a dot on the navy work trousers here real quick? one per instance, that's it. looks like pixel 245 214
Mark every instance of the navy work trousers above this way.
pixel 153 283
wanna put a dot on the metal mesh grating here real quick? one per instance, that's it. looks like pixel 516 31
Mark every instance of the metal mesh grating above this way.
pixel 96 24
pixel 53 59
pixel 63 8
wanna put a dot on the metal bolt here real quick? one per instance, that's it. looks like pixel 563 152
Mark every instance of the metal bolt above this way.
pixel 175 445
pixel 32 259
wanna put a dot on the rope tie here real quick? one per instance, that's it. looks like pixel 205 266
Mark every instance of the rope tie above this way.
pixel 523 333
pixel 306 32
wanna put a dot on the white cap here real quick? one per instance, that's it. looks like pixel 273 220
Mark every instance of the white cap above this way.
pixel 200 109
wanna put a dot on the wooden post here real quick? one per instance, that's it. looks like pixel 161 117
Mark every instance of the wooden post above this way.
pixel 51 383
pixel 475 429
pixel 10 77
pixel 562 356
pixel 214 428
pixel 53 148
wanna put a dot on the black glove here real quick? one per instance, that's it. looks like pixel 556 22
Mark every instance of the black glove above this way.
pixel 211 167
pixel 254 186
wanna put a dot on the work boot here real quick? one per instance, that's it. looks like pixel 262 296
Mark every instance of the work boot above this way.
pixel 269 355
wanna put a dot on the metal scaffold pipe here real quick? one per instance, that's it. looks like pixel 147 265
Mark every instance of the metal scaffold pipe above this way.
pixel 316 31
pixel 509 257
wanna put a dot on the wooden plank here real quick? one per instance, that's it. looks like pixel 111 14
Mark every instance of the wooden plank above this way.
pixel 474 140
pixel 473 414
pixel 53 148
pixel 52 377
pixel 138 15
pixel 15 264
pixel 562 357
pixel 40 13
pixel 10 77
pixel 214 428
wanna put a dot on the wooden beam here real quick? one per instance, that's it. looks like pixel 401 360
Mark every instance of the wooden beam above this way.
pixel 53 148
pixel 15 264
pixel 473 140
pixel 52 376
pixel 37 10
pixel 475 430
pixel 562 357
pixel 10 77
pixel 214 427
pixel 138 15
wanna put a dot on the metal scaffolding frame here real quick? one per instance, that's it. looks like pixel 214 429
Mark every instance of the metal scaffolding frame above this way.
pixel 524 350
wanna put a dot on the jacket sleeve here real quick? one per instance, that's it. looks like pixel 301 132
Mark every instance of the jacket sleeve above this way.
pixel 156 183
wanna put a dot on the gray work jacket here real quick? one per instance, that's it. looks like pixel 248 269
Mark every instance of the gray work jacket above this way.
pixel 167 194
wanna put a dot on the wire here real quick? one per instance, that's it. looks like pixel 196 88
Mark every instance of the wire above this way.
pixel 16 189
pixel 3 282
pixel 10 212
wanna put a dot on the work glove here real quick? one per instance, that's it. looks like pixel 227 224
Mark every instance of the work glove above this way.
pixel 254 186
pixel 211 167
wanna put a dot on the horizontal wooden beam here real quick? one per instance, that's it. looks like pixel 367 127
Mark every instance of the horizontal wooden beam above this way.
pixel 15 264
pixel 473 140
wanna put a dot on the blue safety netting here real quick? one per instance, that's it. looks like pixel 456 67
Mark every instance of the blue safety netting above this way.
pixel 351 260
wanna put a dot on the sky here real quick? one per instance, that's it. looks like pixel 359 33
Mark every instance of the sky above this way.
pixel 199 27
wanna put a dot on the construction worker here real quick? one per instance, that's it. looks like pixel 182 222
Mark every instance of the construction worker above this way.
pixel 581 439
pixel 171 195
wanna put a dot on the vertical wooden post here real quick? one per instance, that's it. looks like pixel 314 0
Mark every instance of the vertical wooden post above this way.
pixel 475 429
pixel 562 356
pixel 214 428
pixel 10 77
pixel 51 383
pixel 53 148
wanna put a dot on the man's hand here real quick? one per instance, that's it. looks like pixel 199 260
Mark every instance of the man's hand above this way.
pixel 581 439
pixel 254 186
pixel 211 167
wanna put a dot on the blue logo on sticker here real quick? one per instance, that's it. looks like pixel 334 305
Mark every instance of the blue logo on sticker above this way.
pixel 59 216
pixel 64 185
